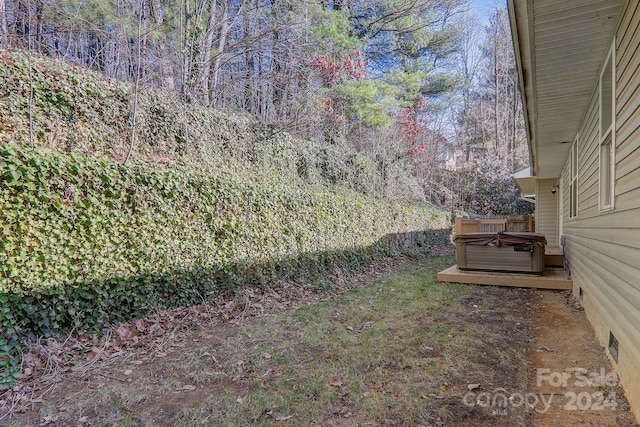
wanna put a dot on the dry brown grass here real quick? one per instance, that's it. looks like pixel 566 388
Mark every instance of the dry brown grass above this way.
pixel 400 351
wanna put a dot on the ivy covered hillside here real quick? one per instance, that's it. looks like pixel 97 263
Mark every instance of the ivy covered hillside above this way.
pixel 206 203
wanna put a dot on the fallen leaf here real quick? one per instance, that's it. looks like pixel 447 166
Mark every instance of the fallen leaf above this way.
pixel 266 413
pixel 48 419
pixel 266 355
pixel 124 332
pixel 377 385
pixel 341 410
pixel 240 399
pixel 335 382
pixel 141 325
pixel 288 417
pixel 473 386
pixel 32 359
pixel 128 372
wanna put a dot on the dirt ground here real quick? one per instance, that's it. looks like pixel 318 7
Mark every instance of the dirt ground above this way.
pixel 492 357
pixel 569 368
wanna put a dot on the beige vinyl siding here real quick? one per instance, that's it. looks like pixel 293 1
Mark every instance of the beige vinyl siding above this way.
pixel 603 248
pixel 565 180
pixel 565 199
pixel 588 162
pixel 547 210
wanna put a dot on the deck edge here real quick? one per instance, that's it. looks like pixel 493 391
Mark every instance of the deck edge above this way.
pixel 454 275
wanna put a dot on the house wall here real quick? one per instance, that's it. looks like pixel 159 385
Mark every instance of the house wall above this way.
pixel 547 210
pixel 603 247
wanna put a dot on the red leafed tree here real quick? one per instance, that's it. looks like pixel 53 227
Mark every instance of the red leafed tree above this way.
pixel 355 66
pixel 328 68
pixel 412 125
pixel 333 72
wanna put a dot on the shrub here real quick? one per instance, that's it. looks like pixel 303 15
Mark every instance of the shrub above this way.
pixel 86 242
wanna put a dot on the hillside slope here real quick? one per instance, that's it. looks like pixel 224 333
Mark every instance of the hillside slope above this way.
pixel 86 241
pixel 73 110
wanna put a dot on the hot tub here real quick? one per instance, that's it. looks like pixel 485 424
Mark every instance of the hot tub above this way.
pixel 504 251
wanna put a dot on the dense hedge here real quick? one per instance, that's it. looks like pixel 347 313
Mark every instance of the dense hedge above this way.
pixel 87 242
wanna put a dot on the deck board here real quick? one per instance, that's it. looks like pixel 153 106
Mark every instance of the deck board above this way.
pixel 550 279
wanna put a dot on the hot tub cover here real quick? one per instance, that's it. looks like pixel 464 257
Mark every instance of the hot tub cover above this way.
pixel 504 238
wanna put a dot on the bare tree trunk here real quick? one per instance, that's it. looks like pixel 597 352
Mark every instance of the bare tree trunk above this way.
pixel 22 23
pixel 39 25
pixel 249 95
pixel 4 28
pixel 185 63
pixel 134 112
pixel 217 63
pixel 207 47
pixel 496 107
pixel 483 127
pixel 30 47
pixel 514 140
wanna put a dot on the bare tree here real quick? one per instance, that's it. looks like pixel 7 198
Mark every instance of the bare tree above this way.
pixel 136 89
pixel 4 29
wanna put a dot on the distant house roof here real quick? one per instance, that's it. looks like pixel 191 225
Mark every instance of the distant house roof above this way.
pixel 560 47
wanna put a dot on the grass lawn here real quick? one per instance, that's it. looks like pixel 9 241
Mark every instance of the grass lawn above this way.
pixel 403 350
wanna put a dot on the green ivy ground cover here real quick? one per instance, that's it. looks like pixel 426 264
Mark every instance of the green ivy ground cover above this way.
pixel 85 243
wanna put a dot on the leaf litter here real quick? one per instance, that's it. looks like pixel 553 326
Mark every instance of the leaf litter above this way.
pixel 479 350
pixel 48 361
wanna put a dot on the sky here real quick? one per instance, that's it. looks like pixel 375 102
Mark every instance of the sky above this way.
pixel 484 7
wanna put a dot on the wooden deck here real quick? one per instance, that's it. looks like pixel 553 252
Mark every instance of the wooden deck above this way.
pixel 550 279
